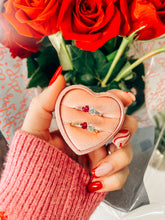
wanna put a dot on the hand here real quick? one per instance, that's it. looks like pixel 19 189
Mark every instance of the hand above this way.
pixel 115 170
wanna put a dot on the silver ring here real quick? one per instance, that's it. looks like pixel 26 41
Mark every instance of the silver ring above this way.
pixel 84 125
pixel 90 110
pixel 93 111
pixel 108 149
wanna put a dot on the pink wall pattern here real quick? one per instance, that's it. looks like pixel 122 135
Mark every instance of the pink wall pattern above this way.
pixel 154 75
pixel 14 97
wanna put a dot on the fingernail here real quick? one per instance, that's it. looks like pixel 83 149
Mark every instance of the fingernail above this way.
pixel 55 76
pixel 102 169
pixel 121 139
pixel 94 186
pixel 131 95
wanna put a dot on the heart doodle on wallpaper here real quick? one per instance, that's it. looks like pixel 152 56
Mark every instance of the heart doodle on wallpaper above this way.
pixel 88 120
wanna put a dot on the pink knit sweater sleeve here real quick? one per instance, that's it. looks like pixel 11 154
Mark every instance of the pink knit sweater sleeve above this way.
pixel 40 182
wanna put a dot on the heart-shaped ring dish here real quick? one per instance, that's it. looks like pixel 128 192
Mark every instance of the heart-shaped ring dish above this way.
pixel 88 120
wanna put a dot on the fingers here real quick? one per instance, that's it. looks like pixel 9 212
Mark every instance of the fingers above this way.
pixel 129 127
pixel 95 156
pixel 111 183
pixel 48 97
pixel 112 171
pixel 113 162
pixel 116 181
pixel 39 115
pixel 130 124
pixel 126 97
pixel 120 140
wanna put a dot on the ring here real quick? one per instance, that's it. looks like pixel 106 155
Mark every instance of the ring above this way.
pixel 90 110
pixel 84 125
pixel 108 149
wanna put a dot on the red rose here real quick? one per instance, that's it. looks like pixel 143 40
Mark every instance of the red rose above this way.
pixel 19 45
pixel 147 13
pixel 125 21
pixel 35 18
pixel 90 22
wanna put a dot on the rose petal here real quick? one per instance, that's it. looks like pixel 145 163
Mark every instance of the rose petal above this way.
pixel 145 14
pixel 91 30
pixel 19 45
pixel 159 4
pixel 21 28
pixel 94 45
pixel 108 15
pixel 69 33
pixel 125 21
pixel 42 22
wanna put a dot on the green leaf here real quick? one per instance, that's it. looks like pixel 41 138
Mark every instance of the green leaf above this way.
pixel 69 75
pixel 111 56
pixel 38 79
pixel 113 85
pixel 98 89
pixel 86 79
pixel 41 67
pixel 110 45
pixel 32 65
pixel 101 65
pixel 103 69
pixel 89 67
pixel 100 59
pixel 83 61
pixel 47 60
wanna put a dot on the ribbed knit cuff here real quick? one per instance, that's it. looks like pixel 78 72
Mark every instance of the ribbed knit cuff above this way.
pixel 41 182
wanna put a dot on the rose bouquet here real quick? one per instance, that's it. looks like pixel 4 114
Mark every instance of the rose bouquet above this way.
pixel 89 38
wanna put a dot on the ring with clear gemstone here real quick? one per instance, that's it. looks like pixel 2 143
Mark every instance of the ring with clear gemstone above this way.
pixel 91 110
pixel 84 125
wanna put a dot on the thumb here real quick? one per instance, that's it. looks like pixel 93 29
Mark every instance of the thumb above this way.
pixel 48 97
pixel 39 115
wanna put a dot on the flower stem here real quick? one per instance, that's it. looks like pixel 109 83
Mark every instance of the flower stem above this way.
pixel 125 42
pixel 137 62
pixel 120 51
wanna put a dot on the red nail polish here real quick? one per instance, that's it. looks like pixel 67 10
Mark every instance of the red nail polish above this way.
pixel 131 94
pixel 55 76
pixel 122 138
pixel 94 186
pixel 93 172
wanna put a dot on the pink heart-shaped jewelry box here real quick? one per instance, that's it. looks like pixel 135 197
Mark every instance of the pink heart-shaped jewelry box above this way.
pixel 88 120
